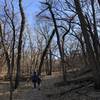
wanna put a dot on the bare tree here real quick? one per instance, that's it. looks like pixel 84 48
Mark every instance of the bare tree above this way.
pixel 91 57
pixel 20 43
pixel 44 52
pixel 10 62
pixel 43 31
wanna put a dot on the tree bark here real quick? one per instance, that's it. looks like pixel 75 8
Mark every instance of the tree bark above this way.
pixel 45 51
pixel 58 41
pixel 91 57
pixel 50 57
pixel 20 44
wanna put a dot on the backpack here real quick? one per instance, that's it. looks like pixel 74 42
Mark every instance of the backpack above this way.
pixel 34 78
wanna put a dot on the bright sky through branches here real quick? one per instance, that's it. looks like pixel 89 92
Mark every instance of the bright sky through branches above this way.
pixel 31 7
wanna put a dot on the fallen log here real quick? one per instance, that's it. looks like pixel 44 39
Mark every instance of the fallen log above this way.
pixel 78 87
pixel 84 78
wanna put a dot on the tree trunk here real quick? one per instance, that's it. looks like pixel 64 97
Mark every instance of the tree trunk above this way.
pixel 91 57
pixel 50 57
pixel 58 40
pixel 20 44
pixel 45 51
pixel 46 64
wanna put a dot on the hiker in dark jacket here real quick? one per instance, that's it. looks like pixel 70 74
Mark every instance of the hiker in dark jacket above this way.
pixel 39 82
pixel 34 79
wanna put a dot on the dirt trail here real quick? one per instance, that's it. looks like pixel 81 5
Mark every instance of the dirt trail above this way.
pixel 48 91
pixel 27 92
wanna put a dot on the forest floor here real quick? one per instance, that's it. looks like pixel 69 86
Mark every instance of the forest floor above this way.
pixel 50 90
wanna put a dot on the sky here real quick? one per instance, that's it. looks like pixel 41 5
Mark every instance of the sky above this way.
pixel 31 8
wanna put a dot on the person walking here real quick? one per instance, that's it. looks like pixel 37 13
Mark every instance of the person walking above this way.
pixel 39 82
pixel 34 78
